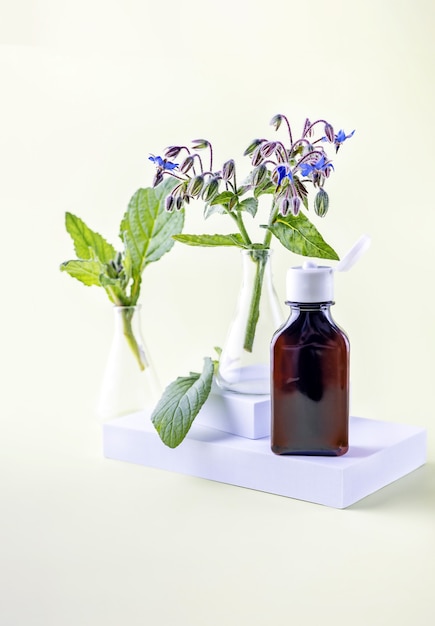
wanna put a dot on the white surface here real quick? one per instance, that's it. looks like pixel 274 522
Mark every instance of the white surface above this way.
pixel 379 453
pixel 89 89
pixel 235 413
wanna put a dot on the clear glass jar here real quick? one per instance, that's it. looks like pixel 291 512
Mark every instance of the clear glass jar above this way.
pixel 244 365
pixel 130 382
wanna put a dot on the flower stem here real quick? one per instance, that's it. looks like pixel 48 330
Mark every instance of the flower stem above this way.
pixel 127 316
pixel 260 258
pixel 272 218
pixel 242 229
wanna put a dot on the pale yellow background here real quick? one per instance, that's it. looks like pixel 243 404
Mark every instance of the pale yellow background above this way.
pixel 88 90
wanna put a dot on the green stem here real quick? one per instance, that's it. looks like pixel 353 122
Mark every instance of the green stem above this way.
pixel 127 316
pixel 272 218
pixel 260 258
pixel 241 226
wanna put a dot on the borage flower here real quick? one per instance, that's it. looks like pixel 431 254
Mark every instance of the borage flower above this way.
pixel 321 166
pixel 340 137
pixel 163 163
pixel 281 172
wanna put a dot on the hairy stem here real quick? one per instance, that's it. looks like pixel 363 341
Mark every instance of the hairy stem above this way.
pixel 259 257
pixel 242 228
pixel 127 317
pixel 272 217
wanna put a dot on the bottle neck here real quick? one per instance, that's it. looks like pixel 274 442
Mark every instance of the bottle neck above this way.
pixel 310 306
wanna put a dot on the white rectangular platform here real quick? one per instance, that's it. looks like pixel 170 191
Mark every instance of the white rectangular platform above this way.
pixel 236 413
pixel 380 453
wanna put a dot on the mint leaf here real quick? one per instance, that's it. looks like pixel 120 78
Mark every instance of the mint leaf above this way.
pixel 209 241
pixel 87 272
pixel 299 235
pixel 181 403
pixel 88 245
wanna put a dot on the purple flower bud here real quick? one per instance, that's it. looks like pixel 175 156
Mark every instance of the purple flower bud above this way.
pixel 195 186
pixel 210 190
pixel 284 205
pixel 329 132
pixel 200 144
pixel 259 174
pixel 158 178
pixel 268 148
pixel 257 157
pixel 295 203
pixel 169 203
pixel 179 203
pixel 328 169
pixel 321 203
pixel 276 121
pixel 228 169
pixel 172 152
pixel 187 164
pixel 252 146
pixel 307 128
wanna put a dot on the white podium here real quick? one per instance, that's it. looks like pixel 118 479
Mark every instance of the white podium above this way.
pixel 379 453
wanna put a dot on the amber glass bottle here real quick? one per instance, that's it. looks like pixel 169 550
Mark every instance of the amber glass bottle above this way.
pixel 310 371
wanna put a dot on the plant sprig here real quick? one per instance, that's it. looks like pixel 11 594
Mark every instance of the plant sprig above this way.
pixel 282 171
pixel 146 231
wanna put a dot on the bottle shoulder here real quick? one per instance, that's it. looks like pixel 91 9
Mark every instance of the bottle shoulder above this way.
pixel 310 326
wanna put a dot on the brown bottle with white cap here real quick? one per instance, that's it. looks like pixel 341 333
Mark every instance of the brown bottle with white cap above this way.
pixel 310 370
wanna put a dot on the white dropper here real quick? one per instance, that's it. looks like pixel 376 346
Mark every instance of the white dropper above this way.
pixel 354 254
pixel 314 283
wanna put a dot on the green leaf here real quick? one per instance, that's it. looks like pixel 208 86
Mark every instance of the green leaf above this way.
pixel 147 228
pixel 115 289
pixel 268 187
pixel 209 241
pixel 223 198
pixel 88 244
pixel 87 272
pixel 210 210
pixel 181 403
pixel 250 205
pixel 299 235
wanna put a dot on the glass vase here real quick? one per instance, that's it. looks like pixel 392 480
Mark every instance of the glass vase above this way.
pixel 244 365
pixel 129 383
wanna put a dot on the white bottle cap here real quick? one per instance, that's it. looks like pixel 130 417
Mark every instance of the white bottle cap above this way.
pixel 310 283
pixel 313 283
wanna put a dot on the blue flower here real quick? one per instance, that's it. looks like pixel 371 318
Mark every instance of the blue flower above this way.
pixel 163 163
pixel 306 169
pixel 340 137
pixel 321 165
pixel 283 171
